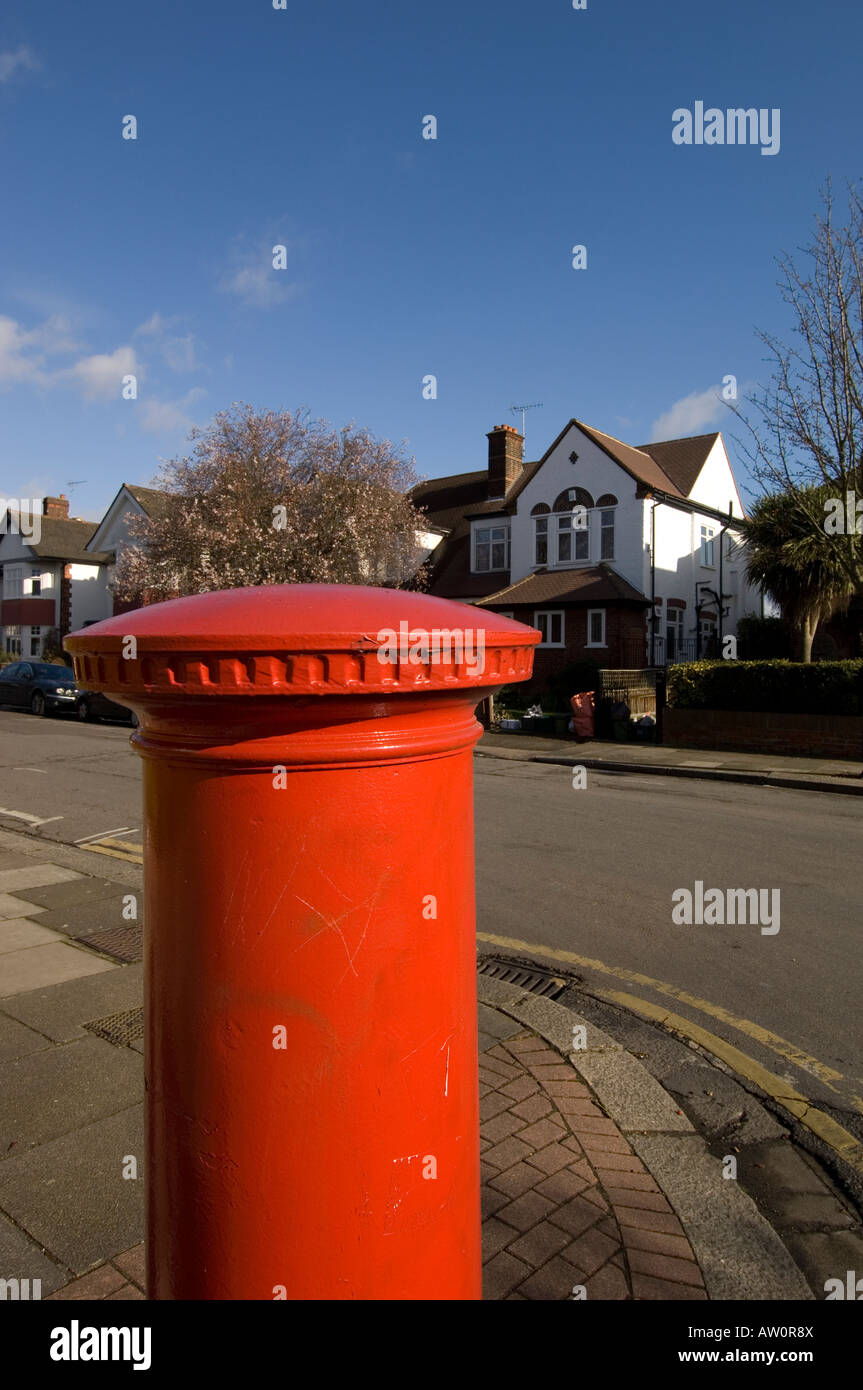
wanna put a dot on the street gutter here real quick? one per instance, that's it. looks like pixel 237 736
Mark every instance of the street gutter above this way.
pixel 755 779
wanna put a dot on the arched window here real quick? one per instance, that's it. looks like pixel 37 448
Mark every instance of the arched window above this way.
pixel 572 526
pixel 607 499
pixel 573 497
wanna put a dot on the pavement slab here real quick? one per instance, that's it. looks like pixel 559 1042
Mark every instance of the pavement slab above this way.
pixel 16 1040
pixel 34 876
pixel 65 895
pixel 52 1092
pixel 17 933
pixel 61 1012
pixel 70 1195
pixel 21 1258
pixel 38 967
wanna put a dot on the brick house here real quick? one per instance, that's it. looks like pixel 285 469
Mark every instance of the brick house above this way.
pixel 626 556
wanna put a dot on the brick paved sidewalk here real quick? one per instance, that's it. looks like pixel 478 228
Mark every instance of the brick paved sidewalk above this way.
pixel 568 1208
pixel 120 1279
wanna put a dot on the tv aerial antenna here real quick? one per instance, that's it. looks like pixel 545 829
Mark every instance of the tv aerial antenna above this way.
pixel 523 409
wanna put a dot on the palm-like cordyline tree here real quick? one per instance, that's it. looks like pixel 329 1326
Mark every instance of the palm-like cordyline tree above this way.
pixel 811 574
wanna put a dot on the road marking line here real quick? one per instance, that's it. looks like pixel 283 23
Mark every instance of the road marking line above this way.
pixel 31 769
pixel 118 829
pixel 773 1041
pixel 115 853
pixel 122 844
pixel 25 816
pixel 826 1128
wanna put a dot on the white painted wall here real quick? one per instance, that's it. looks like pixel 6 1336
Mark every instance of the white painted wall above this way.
pixel 597 473
pixel 677 537
pixel 91 598
pixel 114 533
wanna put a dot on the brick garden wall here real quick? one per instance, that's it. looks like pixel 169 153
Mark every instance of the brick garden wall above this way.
pixel 815 735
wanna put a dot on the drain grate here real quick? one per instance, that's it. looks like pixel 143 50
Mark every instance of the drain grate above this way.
pixel 529 978
pixel 123 1029
pixel 122 943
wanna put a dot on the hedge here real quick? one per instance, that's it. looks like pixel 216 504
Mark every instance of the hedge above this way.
pixel 792 687
pixel 763 639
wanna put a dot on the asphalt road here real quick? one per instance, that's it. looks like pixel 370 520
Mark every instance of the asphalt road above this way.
pixel 78 780
pixel 590 872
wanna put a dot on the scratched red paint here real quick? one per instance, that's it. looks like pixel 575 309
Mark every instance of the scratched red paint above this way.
pixel 291 906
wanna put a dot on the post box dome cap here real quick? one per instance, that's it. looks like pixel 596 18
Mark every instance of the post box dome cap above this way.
pixel 302 638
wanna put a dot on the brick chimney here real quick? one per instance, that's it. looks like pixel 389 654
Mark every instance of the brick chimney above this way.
pixel 57 507
pixel 505 460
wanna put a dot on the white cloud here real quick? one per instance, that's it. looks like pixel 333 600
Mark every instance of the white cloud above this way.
pixel 692 414
pixel 178 351
pixel 101 376
pixel 23 60
pixel 253 279
pixel 25 360
pixel 180 355
pixel 151 326
pixel 169 417
pixel 24 352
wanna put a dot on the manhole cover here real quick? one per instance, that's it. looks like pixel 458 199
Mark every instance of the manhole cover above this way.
pixel 122 1029
pixel 529 978
pixel 123 943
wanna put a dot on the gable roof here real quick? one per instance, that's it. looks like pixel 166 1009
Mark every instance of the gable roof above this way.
pixel 152 503
pixel 671 466
pixel 156 504
pixel 682 459
pixel 636 462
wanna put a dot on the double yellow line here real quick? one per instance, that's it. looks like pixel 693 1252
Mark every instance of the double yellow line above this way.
pixel 841 1140
pixel 117 849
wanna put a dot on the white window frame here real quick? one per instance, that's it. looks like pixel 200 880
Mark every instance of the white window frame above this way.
pixel 566 527
pixel 492 542
pixel 546 536
pixel 13 581
pixel 590 614
pixel 546 628
pixel 603 528
pixel 35 637
pixel 708 537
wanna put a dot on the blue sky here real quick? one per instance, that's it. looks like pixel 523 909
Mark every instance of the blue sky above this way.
pixel 405 257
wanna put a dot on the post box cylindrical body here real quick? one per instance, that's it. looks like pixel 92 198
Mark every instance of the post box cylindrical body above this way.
pixel 311 1064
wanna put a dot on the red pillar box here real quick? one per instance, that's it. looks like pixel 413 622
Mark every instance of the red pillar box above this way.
pixel 311 1051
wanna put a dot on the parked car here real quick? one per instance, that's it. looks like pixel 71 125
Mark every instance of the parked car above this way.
pixel 38 686
pixel 92 705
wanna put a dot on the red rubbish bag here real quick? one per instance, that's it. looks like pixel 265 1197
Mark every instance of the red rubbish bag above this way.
pixel 582 714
